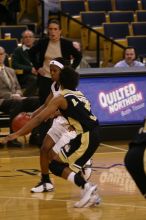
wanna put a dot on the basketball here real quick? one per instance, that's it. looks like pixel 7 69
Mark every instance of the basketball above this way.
pixel 20 120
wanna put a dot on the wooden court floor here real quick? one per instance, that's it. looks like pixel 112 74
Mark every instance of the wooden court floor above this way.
pixel 19 172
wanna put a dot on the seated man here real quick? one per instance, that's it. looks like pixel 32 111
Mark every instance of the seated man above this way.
pixel 129 59
pixel 12 101
pixel 26 72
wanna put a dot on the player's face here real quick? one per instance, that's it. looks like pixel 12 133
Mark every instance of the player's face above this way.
pixel 55 72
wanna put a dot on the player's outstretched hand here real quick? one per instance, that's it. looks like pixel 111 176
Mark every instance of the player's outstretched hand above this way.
pixel 10 137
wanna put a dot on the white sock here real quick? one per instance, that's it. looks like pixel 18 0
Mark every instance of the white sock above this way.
pixel 71 177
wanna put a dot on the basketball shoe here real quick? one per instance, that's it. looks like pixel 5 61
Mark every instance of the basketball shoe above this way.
pixel 89 197
pixel 42 187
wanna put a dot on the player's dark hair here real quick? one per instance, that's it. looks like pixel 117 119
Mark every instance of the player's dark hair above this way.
pixel 62 60
pixel 69 78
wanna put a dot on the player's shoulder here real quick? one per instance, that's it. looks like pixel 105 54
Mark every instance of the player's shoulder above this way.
pixel 67 93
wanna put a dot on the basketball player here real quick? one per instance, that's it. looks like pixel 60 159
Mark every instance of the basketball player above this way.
pixel 135 160
pixel 71 158
pixel 60 126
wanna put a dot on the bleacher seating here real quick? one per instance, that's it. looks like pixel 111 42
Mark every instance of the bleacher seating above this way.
pixel 116 30
pixel 100 5
pixel 138 28
pixel 125 5
pixel 14 30
pixel 94 20
pixel 141 15
pixel 9 45
pixel 101 14
pixel 121 16
pixel 73 8
pixel 143 4
pixel 139 43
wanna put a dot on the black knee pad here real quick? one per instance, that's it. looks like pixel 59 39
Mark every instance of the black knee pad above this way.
pixel 57 167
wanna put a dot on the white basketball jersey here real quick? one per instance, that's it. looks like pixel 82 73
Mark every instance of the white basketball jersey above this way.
pixel 55 90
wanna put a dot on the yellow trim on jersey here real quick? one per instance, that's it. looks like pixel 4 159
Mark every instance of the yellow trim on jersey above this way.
pixel 77 154
pixel 79 95
pixel 93 117
pixel 76 125
pixel 71 92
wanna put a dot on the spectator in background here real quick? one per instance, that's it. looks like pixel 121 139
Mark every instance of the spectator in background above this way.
pixel 12 101
pixel 26 72
pixel 129 59
pixel 48 48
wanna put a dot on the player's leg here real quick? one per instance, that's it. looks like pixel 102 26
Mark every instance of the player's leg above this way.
pixel 63 165
pixel 136 165
pixel 45 184
pixel 87 169
pixel 66 137
pixel 135 159
pixel 90 196
pixel 52 137
pixel 68 133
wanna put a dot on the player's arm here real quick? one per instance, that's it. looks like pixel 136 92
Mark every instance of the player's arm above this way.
pixel 38 110
pixel 51 108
